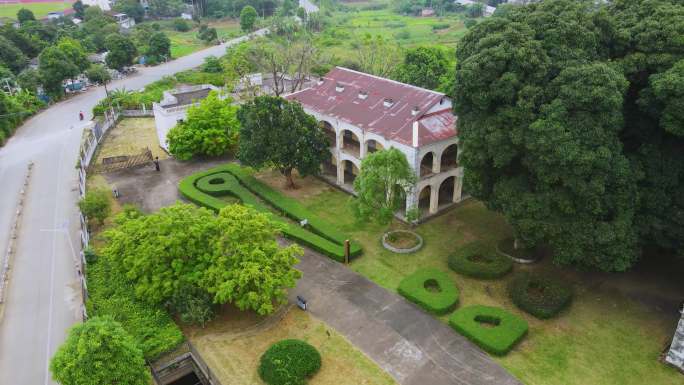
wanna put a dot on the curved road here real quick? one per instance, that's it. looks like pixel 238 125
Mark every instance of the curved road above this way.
pixel 43 298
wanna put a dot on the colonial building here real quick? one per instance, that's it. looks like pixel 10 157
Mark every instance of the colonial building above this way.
pixel 363 113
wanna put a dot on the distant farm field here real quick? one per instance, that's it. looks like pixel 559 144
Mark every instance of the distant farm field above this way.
pixel 39 10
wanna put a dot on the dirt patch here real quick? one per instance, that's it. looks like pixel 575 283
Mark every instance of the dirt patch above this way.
pixel 402 240
pixel 130 137
pixel 306 187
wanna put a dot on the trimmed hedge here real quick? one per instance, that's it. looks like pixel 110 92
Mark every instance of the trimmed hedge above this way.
pixel 416 288
pixel 541 296
pixel 232 179
pixel 289 362
pixel 493 329
pixel 478 260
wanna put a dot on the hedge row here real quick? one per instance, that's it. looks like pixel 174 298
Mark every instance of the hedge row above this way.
pixel 109 294
pixel 493 329
pixel 202 188
pixel 289 362
pixel 431 289
pixel 479 261
pixel 541 296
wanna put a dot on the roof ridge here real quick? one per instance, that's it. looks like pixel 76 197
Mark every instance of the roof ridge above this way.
pixel 427 115
pixel 390 80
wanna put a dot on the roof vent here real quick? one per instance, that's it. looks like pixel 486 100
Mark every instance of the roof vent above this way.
pixel 339 87
pixel 388 102
pixel 415 111
pixel 363 95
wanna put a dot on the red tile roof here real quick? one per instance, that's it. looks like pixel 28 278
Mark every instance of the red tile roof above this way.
pixel 386 109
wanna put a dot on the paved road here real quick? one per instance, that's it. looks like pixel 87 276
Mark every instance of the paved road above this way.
pixel 43 298
pixel 413 347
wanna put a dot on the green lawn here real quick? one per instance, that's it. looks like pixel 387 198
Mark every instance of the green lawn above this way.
pixel 604 338
pixel 348 28
pixel 39 9
pixel 185 43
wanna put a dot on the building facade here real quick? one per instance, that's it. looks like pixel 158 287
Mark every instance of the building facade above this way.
pixel 363 113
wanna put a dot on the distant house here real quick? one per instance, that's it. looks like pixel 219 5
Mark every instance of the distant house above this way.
pixel 122 19
pixel 426 12
pixel 487 10
pixel 257 84
pixel 174 108
pixel 362 113
pixel 104 5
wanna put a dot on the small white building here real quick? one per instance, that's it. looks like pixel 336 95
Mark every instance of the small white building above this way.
pixel 174 108
pixel 104 5
pixel 487 10
pixel 124 20
pixel 363 113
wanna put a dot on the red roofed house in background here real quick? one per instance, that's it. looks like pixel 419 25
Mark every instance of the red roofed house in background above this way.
pixel 363 113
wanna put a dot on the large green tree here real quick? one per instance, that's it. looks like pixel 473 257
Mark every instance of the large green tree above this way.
pixel 99 351
pixel 159 46
pixel 55 67
pixel 248 17
pixel 75 52
pixel 233 256
pixel 566 113
pixel 10 56
pixel 277 133
pixel 383 176
pixel 427 67
pixel 210 129
pixel 132 8
pixel 121 50
pixel 24 15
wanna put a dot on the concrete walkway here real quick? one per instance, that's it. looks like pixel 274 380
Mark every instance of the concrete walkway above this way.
pixel 412 346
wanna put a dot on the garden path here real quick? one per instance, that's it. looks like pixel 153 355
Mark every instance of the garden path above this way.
pixel 412 346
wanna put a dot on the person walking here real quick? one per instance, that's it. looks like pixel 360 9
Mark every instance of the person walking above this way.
pixel 156 163
pixel 81 116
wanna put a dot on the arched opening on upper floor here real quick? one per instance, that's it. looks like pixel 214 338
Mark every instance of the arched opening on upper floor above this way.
pixel 351 144
pixel 449 159
pixel 426 164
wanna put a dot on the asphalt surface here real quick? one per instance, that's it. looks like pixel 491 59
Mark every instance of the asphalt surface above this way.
pixel 43 299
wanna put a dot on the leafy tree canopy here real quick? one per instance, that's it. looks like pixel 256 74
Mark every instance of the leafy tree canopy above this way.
pixel 248 17
pixel 55 67
pixel 159 46
pixel 24 15
pixel 10 56
pixel 277 133
pixel 99 351
pixel 383 176
pixel 121 50
pixel 570 116
pixel 75 52
pixel 233 256
pixel 427 67
pixel 95 205
pixel 132 8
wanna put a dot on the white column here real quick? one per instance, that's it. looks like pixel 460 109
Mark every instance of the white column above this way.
pixel 340 171
pixel 458 186
pixel 435 163
pixel 362 147
pixel 434 199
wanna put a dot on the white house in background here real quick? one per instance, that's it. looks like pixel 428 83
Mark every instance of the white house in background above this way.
pixel 174 107
pixel 363 113
pixel 123 20
pixel 487 9
pixel 104 5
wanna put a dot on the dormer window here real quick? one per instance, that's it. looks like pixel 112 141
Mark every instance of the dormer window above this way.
pixel 415 111
pixel 339 87
pixel 363 95
pixel 388 102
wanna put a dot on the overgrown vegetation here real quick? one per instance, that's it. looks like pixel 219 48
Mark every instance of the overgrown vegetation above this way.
pixel 95 205
pixel 431 289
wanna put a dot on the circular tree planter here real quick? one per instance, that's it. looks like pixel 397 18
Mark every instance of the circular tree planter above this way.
pixel 524 256
pixel 402 241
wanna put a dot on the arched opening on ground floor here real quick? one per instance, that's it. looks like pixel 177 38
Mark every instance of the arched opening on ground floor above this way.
pixel 426 164
pixel 446 191
pixel 424 199
pixel 329 165
pixel 350 172
pixel 329 131
pixel 449 158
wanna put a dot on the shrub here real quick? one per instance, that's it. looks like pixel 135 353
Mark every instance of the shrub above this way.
pixel 289 362
pixel 431 289
pixel 96 205
pixel 479 261
pixel 234 180
pixel 181 25
pixel 493 329
pixel 439 26
pixel 541 296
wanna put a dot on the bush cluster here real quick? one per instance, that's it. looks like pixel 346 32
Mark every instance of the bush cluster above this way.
pixel 478 260
pixel 110 294
pixel 238 182
pixel 493 329
pixel 430 289
pixel 541 296
pixel 289 362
